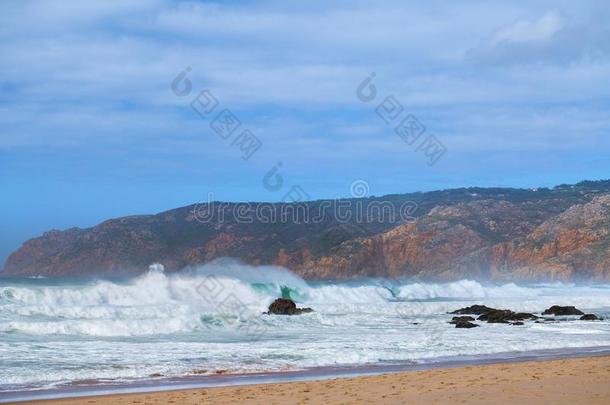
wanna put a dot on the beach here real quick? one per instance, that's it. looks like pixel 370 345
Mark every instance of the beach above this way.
pixel 564 381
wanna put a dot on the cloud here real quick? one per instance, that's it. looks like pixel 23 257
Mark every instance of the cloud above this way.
pixel 98 73
pixel 526 32
pixel 552 38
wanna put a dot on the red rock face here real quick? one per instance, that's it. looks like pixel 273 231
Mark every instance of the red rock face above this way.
pixel 447 244
pixel 563 235
pixel 573 245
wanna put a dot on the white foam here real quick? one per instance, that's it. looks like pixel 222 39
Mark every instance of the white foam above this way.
pixel 158 303
pixel 202 318
pixel 465 289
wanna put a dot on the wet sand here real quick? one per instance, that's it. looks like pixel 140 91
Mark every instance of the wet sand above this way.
pixel 568 381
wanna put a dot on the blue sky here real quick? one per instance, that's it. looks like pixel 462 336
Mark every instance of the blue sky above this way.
pixel 517 92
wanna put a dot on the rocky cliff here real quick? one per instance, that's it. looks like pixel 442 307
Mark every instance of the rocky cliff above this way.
pixel 501 234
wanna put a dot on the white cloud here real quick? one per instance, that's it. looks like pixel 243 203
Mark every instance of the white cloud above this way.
pixel 524 31
pixel 111 61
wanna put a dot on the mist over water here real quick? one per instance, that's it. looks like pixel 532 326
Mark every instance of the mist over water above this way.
pixel 211 318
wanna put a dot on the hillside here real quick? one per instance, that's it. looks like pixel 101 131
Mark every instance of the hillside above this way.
pixel 560 233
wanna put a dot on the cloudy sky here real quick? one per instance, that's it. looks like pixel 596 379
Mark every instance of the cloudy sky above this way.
pixel 518 94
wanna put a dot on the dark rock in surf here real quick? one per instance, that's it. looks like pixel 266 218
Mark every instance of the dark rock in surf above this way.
pixel 505 316
pixel 473 309
pixel 284 306
pixel 590 317
pixel 459 319
pixel 518 323
pixel 492 315
pixel 562 311
pixel 465 324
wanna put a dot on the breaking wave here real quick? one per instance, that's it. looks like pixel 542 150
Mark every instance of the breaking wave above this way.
pixel 210 319
pixel 227 294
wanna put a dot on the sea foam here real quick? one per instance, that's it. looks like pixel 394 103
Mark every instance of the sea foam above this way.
pixel 211 317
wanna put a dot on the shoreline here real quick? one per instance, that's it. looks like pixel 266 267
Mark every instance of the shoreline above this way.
pixel 560 381
pixel 160 386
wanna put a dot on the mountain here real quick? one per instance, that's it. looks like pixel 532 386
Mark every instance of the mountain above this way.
pixel 559 233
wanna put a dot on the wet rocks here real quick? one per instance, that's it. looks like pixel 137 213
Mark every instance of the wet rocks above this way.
pixel 522 316
pixel 465 324
pixel 458 319
pixel 284 306
pixel 496 316
pixel 473 309
pixel 505 316
pixel 562 311
pixel 492 315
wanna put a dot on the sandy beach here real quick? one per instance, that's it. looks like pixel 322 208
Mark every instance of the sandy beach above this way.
pixel 569 381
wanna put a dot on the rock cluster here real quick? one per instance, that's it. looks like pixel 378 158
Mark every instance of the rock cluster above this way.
pixel 492 315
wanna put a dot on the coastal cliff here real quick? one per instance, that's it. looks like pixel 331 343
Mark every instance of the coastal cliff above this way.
pixel 561 233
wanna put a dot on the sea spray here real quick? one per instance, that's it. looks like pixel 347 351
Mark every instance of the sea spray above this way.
pixel 160 303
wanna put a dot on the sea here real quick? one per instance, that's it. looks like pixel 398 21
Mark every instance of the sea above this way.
pixel 210 321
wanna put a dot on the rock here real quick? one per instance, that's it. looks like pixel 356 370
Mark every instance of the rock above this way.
pixel 547 320
pixel 465 324
pixel 590 317
pixel 521 316
pixel 561 311
pixel 518 323
pixel 284 306
pixel 491 315
pixel 457 319
pixel 504 316
pixel 473 309
pixel 496 316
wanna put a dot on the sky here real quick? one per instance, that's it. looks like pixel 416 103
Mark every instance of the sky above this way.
pixel 96 121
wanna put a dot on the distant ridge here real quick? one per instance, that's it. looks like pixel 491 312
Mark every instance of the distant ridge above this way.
pixel 559 233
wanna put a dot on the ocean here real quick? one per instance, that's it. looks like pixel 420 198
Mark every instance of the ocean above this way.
pixel 210 321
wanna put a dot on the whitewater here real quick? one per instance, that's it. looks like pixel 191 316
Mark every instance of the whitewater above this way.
pixel 210 320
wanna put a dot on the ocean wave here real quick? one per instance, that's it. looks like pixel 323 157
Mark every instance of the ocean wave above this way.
pixel 211 318
pixel 225 294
